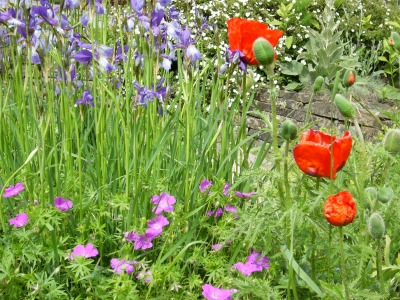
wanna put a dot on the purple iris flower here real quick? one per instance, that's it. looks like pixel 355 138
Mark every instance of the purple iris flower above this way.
pixel 71 4
pixel 87 99
pixel 173 13
pixel 122 56
pixel 187 44
pixel 156 225
pixel 13 190
pixel 137 6
pixel 164 202
pixel 146 95
pixel 164 3
pixel 101 55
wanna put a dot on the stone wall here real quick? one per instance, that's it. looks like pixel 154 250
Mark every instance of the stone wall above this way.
pixel 293 106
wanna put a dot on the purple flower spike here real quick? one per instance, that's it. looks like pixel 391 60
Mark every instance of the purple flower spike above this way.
pixel 122 265
pixel 62 204
pixel 13 190
pixel 144 241
pixel 213 293
pixel 156 225
pixel 87 251
pixel 164 202
pixel 204 186
pixel 20 220
pixel 244 195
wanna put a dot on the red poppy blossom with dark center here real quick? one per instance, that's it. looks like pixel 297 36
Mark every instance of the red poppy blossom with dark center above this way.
pixel 316 149
pixel 340 209
pixel 242 33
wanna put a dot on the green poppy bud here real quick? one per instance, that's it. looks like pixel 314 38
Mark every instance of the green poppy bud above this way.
pixel 385 194
pixel 345 107
pixel 395 37
pixel 349 78
pixel 376 226
pixel 371 195
pixel 392 141
pixel 263 51
pixel 318 84
pixel 288 130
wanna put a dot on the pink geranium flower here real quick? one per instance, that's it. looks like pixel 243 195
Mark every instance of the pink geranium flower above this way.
pixel 87 251
pixel 62 204
pixel 244 195
pixel 164 202
pixel 20 220
pixel 122 265
pixel 213 293
pixel 156 225
pixel 204 186
pixel 13 190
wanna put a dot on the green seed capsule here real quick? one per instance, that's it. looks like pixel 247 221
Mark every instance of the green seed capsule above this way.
pixel 345 107
pixel 385 194
pixel 288 130
pixel 376 226
pixel 392 141
pixel 371 195
pixel 318 84
pixel 263 51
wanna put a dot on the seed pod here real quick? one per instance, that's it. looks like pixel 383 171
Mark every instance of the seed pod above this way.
pixel 349 78
pixel 376 226
pixel 385 194
pixel 288 130
pixel 370 196
pixel 392 141
pixel 396 40
pixel 345 107
pixel 263 51
pixel 318 84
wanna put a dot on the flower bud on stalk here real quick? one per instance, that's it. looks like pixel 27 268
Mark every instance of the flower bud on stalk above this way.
pixel 395 37
pixel 263 51
pixel 345 107
pixel 376 226
pixel 318 84
pixel 349 78
pixel 392 141
pixel 371 195
pixel 385 194
pixel 288 130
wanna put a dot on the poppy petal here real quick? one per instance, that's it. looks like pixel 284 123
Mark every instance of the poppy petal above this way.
pixel 313 159
pixel 341 150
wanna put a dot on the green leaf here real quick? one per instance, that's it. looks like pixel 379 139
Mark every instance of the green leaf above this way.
pixel 288 42
pixel 382 58
pixel 294 86
pixel 299 271
pixel 275 22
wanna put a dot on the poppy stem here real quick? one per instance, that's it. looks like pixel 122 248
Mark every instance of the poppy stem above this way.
pixel 379 265
pixel 309 108
pixel 343 265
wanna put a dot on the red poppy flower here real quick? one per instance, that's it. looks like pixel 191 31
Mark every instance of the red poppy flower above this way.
pixel 340 209
pixel 313 153
pixel 242 33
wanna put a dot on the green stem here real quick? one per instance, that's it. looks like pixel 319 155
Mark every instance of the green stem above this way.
pixel 343 265
pixel 309 109
pixel 379 265
pixel 329 254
